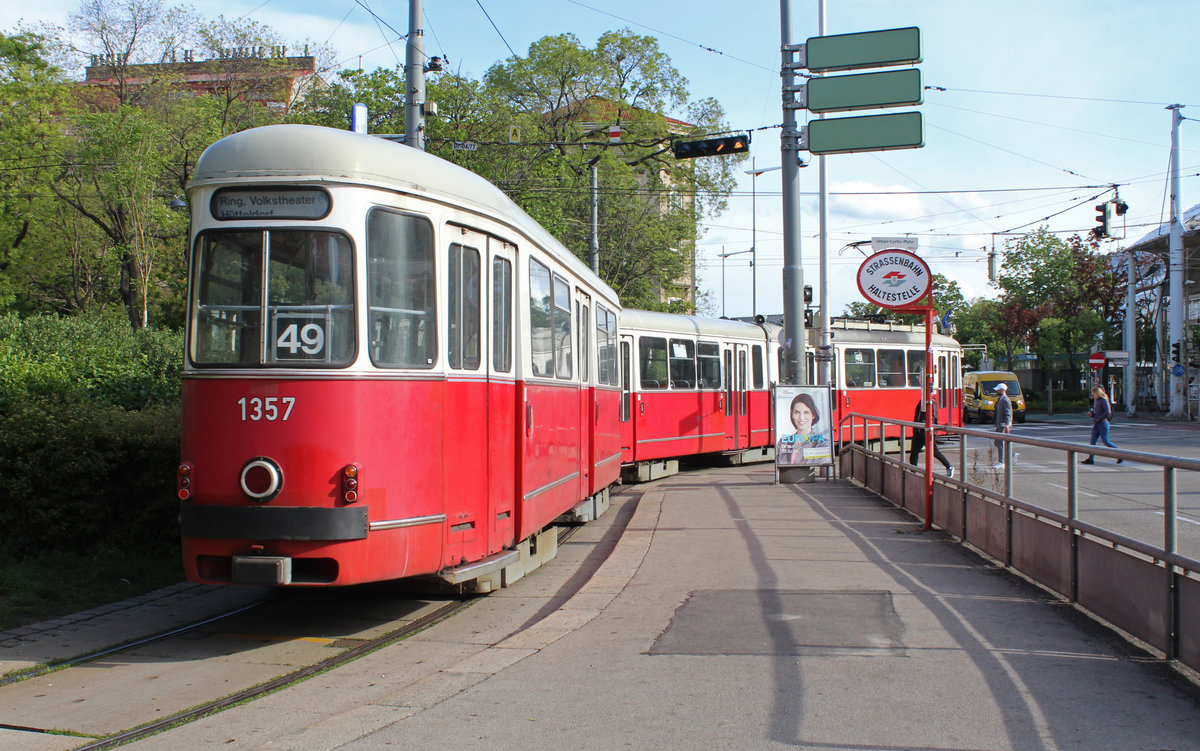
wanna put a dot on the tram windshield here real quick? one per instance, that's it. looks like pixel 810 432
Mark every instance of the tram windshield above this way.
pixel 299 313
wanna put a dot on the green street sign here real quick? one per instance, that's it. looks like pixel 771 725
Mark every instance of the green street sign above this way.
pixel 893 88
pixel 867 49
pixel 845 135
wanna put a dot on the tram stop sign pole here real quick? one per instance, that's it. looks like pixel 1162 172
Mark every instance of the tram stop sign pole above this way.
pixel 901 281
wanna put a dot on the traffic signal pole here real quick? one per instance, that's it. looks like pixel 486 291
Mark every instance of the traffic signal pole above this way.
pixel 793 271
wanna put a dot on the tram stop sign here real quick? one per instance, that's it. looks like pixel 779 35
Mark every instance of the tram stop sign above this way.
pixel 1096 360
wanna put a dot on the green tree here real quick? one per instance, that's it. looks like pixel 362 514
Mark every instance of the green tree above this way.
pixel 1045 277
pixel 33 95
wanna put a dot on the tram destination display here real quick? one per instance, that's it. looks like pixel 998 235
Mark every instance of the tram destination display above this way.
pixel 270 203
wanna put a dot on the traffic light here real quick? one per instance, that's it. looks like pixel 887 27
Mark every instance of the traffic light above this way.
pixel 1103 215
pixel 1175 354
pixel 808 294
pixel 711 147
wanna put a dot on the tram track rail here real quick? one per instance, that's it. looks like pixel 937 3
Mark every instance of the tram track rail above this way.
pixel 435 610
pixel 55 665
pixel 254 692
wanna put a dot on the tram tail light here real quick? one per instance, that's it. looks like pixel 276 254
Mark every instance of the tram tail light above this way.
pixel 183 481
pixel 350 483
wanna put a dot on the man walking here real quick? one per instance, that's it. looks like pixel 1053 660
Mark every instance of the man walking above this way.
pixel 1004 417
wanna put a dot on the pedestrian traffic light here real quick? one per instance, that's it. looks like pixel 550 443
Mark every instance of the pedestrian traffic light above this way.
pixel 711 147
pixel 1175 354
pixel 1103 214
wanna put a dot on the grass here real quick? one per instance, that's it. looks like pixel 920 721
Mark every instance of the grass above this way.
pixel 57 584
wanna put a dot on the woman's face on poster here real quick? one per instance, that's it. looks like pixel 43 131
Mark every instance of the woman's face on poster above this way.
pixel 802 417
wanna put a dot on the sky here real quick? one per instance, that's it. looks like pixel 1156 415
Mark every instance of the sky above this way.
pixel 1032 111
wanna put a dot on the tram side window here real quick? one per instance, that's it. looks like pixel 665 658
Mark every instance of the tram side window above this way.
pixel 540 321
pixel 916 366
pixel 549 322
pixel 756 363
pixel 708 357
pixel 652 356
pixel 561 323
pixel 228 301
pixel 891 368
pixel 463 308
pixel 501 315
pixel 606 346
pixel 683 364
pixel 401 291
pixel 860 367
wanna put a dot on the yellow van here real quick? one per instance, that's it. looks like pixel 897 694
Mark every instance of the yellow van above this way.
pixel 979 395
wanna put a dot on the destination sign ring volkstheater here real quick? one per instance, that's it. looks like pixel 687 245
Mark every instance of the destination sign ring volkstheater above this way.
pixel 894 278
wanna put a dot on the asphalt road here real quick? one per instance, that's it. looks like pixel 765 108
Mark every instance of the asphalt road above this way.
pixel 1126 498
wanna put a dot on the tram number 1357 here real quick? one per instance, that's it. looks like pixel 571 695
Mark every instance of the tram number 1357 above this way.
pixel 269 408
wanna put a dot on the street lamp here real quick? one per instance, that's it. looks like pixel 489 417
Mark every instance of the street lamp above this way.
pixel 754 172
pixel 723 257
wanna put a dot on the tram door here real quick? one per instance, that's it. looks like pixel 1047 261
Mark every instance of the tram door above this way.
pixel 942 373
pixel 626 366
pixel 588 409
pixel 502 399
pixel 735 367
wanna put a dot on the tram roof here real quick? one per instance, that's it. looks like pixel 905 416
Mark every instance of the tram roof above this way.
pixel 672 323
pixel 312 152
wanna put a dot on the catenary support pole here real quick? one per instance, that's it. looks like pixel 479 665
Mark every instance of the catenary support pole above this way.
pixel 414 79
pixel 1176 305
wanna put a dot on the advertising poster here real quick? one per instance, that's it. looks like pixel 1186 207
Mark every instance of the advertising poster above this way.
pixel 803 426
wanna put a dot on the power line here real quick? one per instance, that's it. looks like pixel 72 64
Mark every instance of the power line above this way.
pixel 494 26
pixel 1053 96
pixel 706 48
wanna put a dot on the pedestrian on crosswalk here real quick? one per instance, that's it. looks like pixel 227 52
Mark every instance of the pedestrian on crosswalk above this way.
pixel 1101 412
pixel 1004 418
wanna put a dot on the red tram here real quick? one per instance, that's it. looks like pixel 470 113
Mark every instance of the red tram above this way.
pixel 392 371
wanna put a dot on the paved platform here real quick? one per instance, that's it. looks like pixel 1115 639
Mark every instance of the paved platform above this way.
pixel 716 610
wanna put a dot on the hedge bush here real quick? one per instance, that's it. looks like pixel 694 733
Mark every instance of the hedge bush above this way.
pixel 89 433
pixel 98 358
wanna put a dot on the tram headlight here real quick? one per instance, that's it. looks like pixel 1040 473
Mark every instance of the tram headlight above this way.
pixel 350 483
pixel 183 481
pixel 261 479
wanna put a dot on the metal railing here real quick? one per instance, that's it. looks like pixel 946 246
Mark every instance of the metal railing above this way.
pixel 1150 591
